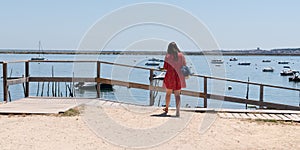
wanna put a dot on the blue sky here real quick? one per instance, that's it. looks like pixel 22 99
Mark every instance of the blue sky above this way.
pixel 235 24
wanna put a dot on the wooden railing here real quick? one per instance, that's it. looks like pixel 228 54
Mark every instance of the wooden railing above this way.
pixel 98 79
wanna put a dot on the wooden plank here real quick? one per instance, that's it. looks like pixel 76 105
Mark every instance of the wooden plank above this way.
pixel 290 117
pixel 237 115
pixel 5 85
pixel 275 117
pixel 17 81
pixel 252 116
pixel 245 116
pixel 267 116
pixel 259 116
pixel 60 79
pixel 229 116
pixel 222 115
pixel 40 106
pixel 283 117
pixel 296 116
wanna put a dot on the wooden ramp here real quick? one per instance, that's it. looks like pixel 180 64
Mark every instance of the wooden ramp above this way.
pixel 271 115
pixel 41 105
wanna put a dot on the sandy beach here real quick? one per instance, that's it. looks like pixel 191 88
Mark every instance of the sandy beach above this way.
pixel 77 132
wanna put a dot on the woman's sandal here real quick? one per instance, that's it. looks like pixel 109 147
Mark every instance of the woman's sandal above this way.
pixel 165 110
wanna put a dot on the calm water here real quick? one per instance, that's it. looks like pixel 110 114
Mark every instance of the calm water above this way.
pixel 199 65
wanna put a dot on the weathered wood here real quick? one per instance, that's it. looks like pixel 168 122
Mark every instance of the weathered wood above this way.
pixel 151 103
pixel 19 80
pixel 245 116
pixel 205 93
pixel 98 76
pixel 261 96
pixel 290 117
pixel 275 117
pixel 5 84
pixel 27 76
pixel 237 115
pixel 41 105
pixel 283 117
pixel 267 116
pixel 60 79
pixel 252 116
pixel 259 116
pixel 296 116
pixel 229 115
pixel 222 115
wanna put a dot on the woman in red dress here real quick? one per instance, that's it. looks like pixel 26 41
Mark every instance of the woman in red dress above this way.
pixel 174 79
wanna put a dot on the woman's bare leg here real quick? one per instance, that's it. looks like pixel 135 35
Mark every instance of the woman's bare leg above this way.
pixel 177 98
pixel 168 98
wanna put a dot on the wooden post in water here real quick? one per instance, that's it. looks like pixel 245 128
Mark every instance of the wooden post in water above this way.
pixel 27 78
pixel 5 86
pixel 205 93
pixel 98 77
pixel 150 87
pixel 261 96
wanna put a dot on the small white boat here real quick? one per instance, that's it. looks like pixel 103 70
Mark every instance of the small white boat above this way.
pixel 161 76
pixel 152 63
pixel 39 57
pixel 217 61
pixel 266 60
pixel 283 62
pixel 156 59
pixel 244 63
pixel 268 69
pixel 93 86
pixel 288 72
pixel 233 59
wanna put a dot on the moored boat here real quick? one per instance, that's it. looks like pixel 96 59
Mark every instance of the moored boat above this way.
pixel 217 61
pixel 93 86
pixel 39 57
pixel 266 60
pixel 244 63
pixel 283 62
pixel 155 59
pixel 295 78
pixel 288 72
pixel 233 59
pixel 153 63
pixel 268 69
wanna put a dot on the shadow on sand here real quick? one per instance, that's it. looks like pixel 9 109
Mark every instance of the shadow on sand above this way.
pixel 161 115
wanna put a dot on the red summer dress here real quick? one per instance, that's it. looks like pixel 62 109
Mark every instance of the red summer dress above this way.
pixel 174 79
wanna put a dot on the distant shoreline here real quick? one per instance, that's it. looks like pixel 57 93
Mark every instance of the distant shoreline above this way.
pixel 286 52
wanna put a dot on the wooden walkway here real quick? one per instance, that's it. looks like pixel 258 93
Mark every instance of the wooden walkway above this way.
pixel 38 105
pixel 279 116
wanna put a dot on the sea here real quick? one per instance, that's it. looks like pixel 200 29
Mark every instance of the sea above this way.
pixel 199 64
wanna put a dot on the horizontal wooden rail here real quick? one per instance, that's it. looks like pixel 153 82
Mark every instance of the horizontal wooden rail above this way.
pixel 161 89
pixel 13 81
pixel 245 82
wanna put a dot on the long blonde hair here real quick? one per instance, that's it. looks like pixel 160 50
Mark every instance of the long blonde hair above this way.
pixel 173 50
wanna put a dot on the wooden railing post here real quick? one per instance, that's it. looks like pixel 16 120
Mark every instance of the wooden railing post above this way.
pixel 261 96
pixel 5 86
pixel 27 79
pixel 205 93
pixel 98 77
pixel 151 84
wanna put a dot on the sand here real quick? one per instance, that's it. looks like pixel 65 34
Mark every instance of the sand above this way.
pixel 79 132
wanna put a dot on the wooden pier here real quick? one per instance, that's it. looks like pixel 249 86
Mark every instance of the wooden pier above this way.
pixel 205 95
pixel 50 105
